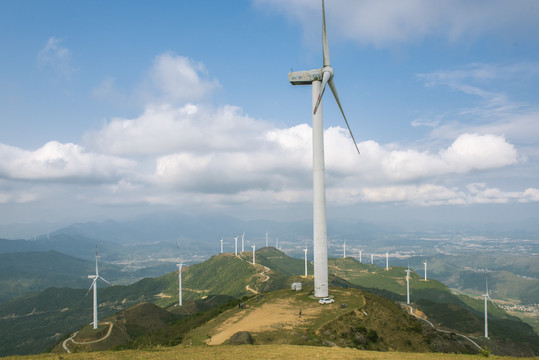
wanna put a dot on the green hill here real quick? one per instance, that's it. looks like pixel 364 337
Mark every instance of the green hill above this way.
pixel 33 322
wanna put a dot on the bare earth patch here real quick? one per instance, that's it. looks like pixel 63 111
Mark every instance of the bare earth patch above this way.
pixel 282 314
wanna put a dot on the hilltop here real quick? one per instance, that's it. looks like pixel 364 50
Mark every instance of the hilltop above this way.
pixel 43 319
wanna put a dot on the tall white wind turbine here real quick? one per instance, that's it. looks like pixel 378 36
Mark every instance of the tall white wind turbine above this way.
pixel 266 239
pixel 408 285
pixel 221 245
pixel 387 261
pixel 236 246
pixel 486 295
pixel 372 259
pixel 318 78
pixel 344 250
pixel 425 263
pixel 360 251
pixel 253 246
pixel 180 266
pixel 94 285
pixel 243 242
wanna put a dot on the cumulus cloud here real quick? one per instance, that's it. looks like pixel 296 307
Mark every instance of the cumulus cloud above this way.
pixel 56 57
pixel 165 129
pixel 174 78
pixel 60 162
pixel 387 23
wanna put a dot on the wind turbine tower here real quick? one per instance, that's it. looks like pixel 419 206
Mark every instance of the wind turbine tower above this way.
pixel 408 285
pixel 387 261
pixel 360 251
pixel 94 285
pixel 425 263
pixel 344 250
pixel 253 246
pixel 221 245
pixel 305 260
pixel 266 239
pixel 236 246
pixel 318 78
pixel 243 242
pixel 372 259
pixel 180 266
pixel 486 295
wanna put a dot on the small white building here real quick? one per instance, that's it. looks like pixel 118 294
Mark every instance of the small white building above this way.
pixel 296 286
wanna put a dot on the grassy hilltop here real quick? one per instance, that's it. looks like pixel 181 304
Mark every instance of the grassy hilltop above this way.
pixel 370 319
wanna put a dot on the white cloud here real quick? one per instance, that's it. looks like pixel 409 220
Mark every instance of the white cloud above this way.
pixel 166 129
pixel 56 57
pixel 175 78
pixel 60 162
pixel 385 23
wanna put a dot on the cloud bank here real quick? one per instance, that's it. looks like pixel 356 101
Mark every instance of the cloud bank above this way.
pixel 180 150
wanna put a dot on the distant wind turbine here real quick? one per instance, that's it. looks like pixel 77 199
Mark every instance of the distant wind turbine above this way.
pixel 387 261
pixel 360 251
pixel 221 245
pixel 305 260
pixel 425 263
pixel 344 250
pixel 486 295
pixel 236 246
pixel 372 259
pixel 180 266
pixel 94 285
pixel 266 239
pixel 243 242
pixel 408 285
pixel 254 262
pixel 318 78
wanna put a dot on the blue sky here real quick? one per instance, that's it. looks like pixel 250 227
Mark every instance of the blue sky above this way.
pixel 110 109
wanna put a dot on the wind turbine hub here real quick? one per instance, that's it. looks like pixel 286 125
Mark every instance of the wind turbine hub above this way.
pixel 328 69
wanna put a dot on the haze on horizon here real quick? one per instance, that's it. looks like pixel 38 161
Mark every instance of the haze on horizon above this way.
pixel 117 109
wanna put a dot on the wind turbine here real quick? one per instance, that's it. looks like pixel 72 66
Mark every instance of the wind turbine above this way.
pixel 236 246
pixel 180 266
pixel 344 250
pixel 387 261
pixel 486 295
pixel 243 242
pixel 425 263
pixel 305 259
pixel 266 239
pixel 253 246
pixel 94 285
pixel 372 259
pixel 221 245
pixel 318 78
pixel 360 251
pixel 408 285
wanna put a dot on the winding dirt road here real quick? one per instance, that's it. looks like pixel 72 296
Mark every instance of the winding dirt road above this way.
pixel 72 338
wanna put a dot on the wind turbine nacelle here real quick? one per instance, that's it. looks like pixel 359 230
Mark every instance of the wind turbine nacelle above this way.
pixel 305 77
pixel 91 276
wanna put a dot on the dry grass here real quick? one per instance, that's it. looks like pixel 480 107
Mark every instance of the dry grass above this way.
pixel 253 352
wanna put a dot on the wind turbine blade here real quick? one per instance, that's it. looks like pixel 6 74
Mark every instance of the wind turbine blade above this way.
pixel 491 300
pixel 91 286
pixel 105 280
pixel 325 79
pixel 334 91
pixel 325 47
